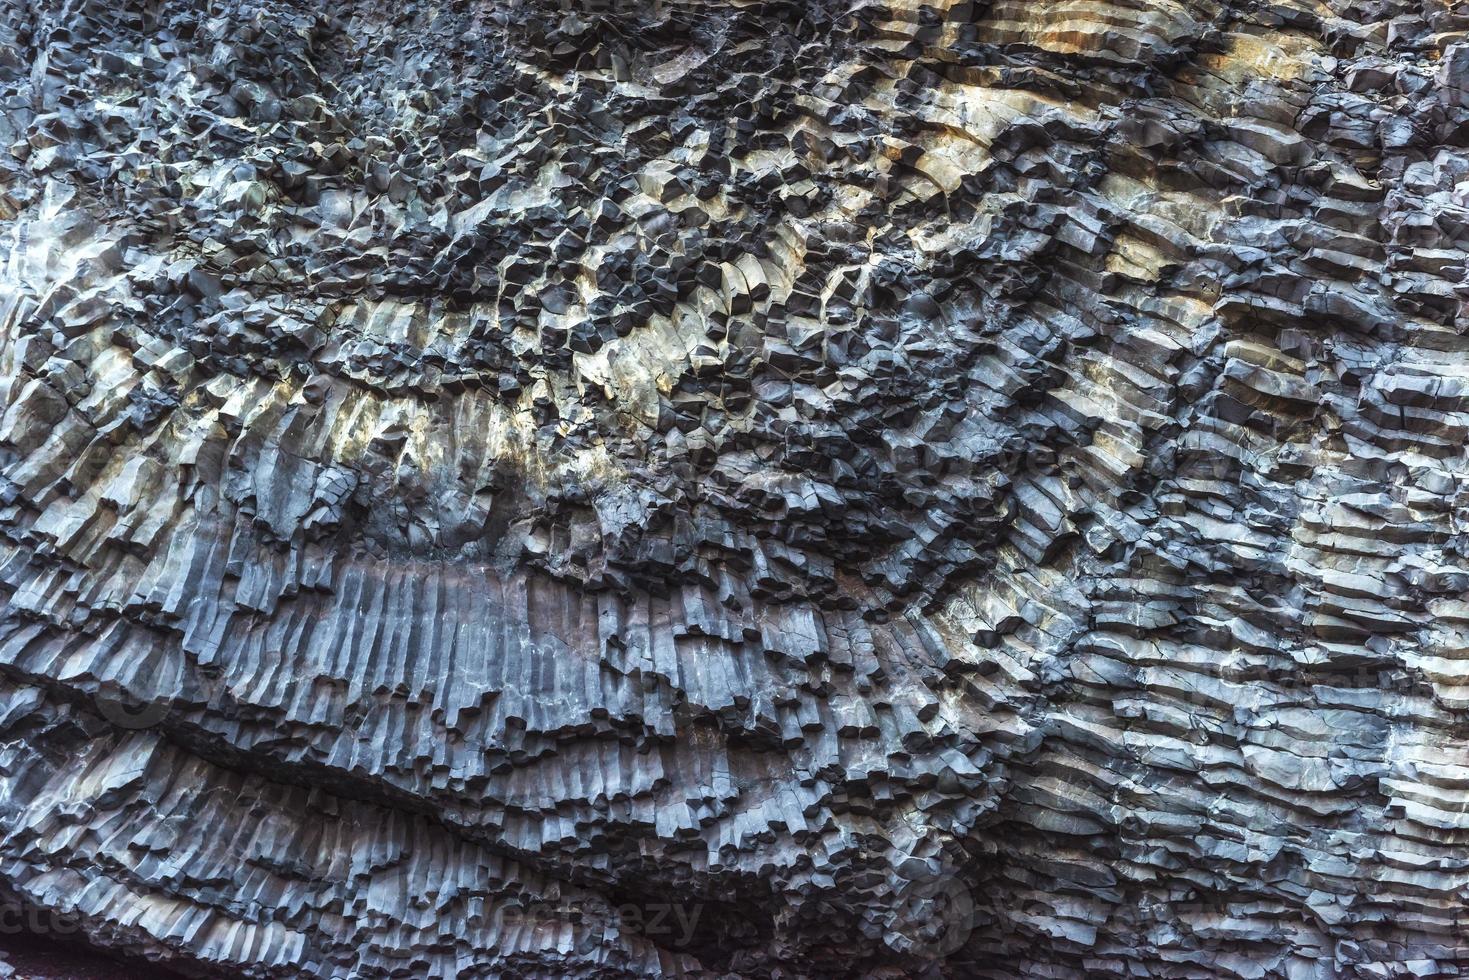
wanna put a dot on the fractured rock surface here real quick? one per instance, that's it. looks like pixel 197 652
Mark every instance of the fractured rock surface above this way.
pixel 737 489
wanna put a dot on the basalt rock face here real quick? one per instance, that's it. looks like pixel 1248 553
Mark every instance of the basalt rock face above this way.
pixel 737 489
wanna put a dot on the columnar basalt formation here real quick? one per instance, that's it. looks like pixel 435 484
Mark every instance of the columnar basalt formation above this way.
pixel 754 489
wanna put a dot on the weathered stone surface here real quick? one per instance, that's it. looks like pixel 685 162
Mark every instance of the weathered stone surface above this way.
pixel 754 489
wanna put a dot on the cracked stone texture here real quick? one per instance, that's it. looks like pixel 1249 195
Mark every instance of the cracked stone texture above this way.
pixel 964 489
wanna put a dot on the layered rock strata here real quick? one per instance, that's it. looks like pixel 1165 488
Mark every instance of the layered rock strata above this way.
pixel 754 489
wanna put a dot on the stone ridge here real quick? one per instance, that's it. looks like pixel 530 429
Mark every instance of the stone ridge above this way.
pixel 563 488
